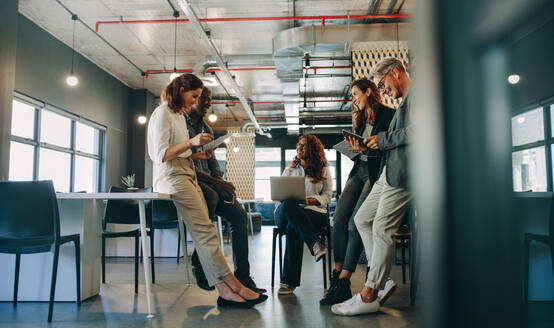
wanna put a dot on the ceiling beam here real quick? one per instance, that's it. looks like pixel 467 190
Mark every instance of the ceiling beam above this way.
pixel 225 74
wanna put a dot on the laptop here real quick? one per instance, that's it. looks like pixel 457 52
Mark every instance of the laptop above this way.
pixel 287 188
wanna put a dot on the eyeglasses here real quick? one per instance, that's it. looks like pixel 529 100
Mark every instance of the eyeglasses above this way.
pixel 303 145
pixel 381 84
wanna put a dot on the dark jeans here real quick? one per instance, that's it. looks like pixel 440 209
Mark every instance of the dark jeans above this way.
pixel 300 225
pixel 237 218
pixel 347 244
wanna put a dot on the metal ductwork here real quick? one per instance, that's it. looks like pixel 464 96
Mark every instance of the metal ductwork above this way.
pixel 263 60
pixel 290 47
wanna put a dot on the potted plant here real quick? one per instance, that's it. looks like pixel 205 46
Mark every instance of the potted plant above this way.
pixel 129 182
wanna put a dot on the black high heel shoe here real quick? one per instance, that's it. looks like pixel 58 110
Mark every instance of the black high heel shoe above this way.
pixel 241 305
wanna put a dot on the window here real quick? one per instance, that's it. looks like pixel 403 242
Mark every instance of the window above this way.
pixel 289 156
pixel 346 166
pixel 527 127
pixel 268 163
pixel 22 158
pixel 531 151
pixel 23 120
pixel 221 156
pixel 47 144
pixel 331 156
pixel 529 169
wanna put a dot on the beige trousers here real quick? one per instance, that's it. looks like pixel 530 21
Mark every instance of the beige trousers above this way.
pixel 180 181
pixel 377 220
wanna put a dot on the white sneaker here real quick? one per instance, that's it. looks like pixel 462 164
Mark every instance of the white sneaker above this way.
pixel 384 294
pixel 355 306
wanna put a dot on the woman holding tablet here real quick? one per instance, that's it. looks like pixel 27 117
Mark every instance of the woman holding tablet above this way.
pixel 369 116
pixel 169 148
pixel 304 221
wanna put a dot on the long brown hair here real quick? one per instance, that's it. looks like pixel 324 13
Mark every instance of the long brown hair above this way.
pixel 171 92
pixel 375 101
pixel 314 156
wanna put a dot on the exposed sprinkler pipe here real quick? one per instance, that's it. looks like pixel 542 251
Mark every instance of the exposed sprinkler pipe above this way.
pixel 238 69
pixel 281 118
pixel 225 74
pixel 270 126
pixel 253 19
pixel 232 102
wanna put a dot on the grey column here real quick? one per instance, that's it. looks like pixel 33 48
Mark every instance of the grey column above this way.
pixel 141 102
pixel 8 40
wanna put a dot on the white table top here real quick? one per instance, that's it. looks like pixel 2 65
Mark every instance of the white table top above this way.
pixel 113 195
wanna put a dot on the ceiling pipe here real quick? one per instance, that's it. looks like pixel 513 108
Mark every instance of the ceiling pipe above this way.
pixel 225 74
pixel 232 102
pixel 270 126
pixel 322 18
pixel 164 71
pixel 238 69
pixel 282 117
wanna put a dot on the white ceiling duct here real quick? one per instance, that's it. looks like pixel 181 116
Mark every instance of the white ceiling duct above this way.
pixel 291 45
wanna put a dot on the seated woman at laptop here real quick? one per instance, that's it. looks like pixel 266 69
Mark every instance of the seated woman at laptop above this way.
pixel 169 147
pixel 304 221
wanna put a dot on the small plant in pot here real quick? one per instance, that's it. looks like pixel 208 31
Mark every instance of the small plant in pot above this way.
pixel 129 182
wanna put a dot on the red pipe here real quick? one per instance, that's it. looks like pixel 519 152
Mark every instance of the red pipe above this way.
pixel 254 19
pixel 315 68
pixel 243 69
pixel 238 102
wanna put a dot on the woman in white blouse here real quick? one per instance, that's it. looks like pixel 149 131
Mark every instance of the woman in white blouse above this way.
pixel 304 221
pixel 169 148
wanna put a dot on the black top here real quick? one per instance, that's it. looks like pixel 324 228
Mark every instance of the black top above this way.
pixel 383 118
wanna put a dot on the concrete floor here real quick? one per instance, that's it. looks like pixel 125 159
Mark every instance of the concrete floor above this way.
pixel 179 305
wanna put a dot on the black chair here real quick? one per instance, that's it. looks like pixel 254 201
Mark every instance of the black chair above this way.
pixel 325 233
pixel 164 216
pixel 126 212
pixel 30 223
pixel 544 239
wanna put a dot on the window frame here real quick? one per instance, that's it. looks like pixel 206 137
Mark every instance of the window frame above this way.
pixel 37 144
pixel 547 142
pixel 260 163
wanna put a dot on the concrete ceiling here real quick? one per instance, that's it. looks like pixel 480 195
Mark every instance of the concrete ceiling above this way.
pixel 151 46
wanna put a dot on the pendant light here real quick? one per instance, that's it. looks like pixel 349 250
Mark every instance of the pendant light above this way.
pixel 142 118
pixel 212 117
pixel 72 80
pixel 175 74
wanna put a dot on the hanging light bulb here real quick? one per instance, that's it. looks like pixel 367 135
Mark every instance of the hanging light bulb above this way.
pixel 513 79
pixel 142 119
pixel 72 80
pixel 175 74
pixel 212 117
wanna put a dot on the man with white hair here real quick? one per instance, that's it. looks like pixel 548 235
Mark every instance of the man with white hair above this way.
pixel 384 208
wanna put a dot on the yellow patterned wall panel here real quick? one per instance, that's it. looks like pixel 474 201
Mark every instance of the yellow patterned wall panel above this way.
pixel 366 55
pixel 239 167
